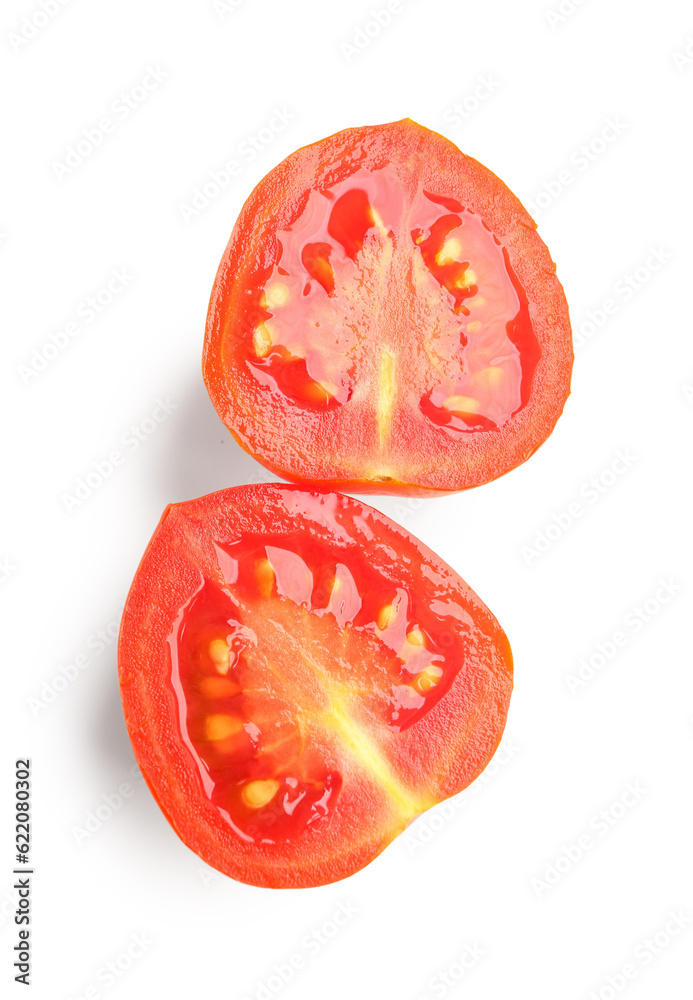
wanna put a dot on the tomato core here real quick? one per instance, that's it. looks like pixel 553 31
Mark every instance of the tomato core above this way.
pixel 364 262
pixel 303 646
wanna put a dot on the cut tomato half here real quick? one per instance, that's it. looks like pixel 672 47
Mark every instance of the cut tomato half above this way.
pixel 386 319
pixel 301 678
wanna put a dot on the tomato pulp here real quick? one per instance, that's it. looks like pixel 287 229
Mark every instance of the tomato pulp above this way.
pixel 301 678
pixel 386 319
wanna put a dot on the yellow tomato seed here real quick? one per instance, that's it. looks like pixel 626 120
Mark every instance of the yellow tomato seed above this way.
pixel 258 793
pixel 461 404
pixel 220 655
pixel 264 574
pixel 416 637
pixel 220 727
pixel 262 340
pixel 277 295
pixel 386 616
pixel 450 251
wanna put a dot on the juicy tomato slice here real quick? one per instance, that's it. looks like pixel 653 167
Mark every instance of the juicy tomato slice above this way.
pixel 301 678
pixel 386 319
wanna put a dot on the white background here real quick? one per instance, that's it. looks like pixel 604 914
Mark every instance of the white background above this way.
pixel 532 93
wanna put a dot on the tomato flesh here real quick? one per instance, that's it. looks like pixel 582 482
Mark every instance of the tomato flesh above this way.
pixel 249 748
pixel 319 340
pixel 389 327
pixel 319 692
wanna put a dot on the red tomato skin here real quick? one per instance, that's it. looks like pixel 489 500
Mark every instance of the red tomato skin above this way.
pixel 459 733
pixel 280 443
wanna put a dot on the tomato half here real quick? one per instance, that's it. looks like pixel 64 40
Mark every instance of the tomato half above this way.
pixel 386 319
pixel 301 678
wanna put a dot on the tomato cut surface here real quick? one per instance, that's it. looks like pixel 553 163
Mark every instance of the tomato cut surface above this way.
pixel 301 678
pixel 386 319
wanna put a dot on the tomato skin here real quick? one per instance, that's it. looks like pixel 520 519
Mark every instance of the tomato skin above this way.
pixel 317 447
pixel 436 756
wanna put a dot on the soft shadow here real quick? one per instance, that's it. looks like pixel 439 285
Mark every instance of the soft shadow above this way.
pixel 201 457
pixel 205 457
pixel 110 733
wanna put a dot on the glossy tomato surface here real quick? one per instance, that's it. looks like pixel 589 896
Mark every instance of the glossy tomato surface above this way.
pixel 301 678
pixel 386 319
